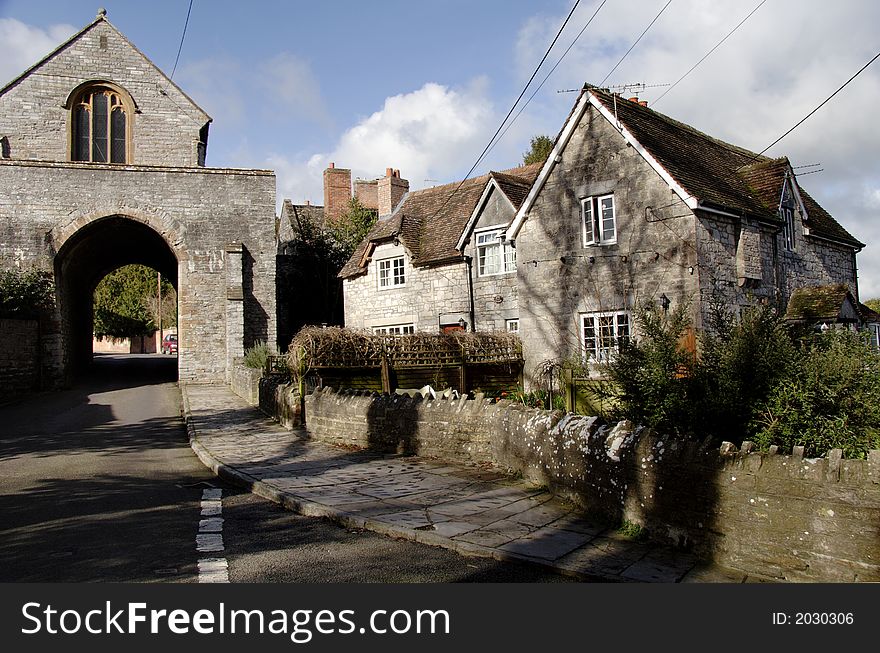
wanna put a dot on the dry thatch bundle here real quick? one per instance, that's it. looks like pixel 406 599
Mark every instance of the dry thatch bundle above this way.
pixel 335 347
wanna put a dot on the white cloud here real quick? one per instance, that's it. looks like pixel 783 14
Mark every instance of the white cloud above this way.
pixel 21 45
pixel 292 83
pixel 427 134
pixel 777 67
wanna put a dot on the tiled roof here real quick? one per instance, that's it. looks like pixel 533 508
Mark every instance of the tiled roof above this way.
pixel 429 222
pixel 767 178
pixel 718 174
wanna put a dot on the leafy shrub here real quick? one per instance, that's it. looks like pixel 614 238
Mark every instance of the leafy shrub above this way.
pixel 24 293
pixel 754 379
pixel 831 399
pixel 258 355
pixel 650 379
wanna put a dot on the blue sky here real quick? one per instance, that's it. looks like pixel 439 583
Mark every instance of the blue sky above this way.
pixel 422 86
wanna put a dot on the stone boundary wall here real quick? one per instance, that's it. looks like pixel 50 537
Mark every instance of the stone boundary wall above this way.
pixel 245 382
pixel 19 357
pixel 785 516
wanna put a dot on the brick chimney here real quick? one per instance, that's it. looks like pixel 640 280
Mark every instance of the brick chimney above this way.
pixel 366 190
pixel 337 192
pixel 391 188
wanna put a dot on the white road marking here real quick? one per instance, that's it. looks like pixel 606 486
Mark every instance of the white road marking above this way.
pixel 210 538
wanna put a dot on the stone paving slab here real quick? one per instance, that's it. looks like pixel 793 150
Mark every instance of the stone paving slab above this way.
pixel 467 509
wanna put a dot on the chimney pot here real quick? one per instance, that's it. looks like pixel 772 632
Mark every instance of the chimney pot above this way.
pixel 331 166
pixel 389 172
pixel 643 103
pixel 634 99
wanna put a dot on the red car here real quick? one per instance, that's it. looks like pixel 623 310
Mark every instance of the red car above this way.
pixel 169 344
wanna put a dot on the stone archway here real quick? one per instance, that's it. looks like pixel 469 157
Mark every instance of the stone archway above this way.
pixel 89 249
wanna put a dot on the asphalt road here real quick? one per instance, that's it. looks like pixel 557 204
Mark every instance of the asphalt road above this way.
pixel 97 483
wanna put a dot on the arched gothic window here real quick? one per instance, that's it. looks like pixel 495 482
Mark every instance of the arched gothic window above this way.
pixel 100 126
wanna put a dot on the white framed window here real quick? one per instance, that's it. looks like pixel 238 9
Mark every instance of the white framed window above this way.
pixel 493 255
pixel 394 329
pixel 599 220
pixel 512 326
pixel 601 334
pixel 787 215
pixel 392 272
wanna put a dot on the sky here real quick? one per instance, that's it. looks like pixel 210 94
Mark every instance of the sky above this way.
pixel 422 86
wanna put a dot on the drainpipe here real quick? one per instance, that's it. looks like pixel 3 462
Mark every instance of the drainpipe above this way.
pixel 470 265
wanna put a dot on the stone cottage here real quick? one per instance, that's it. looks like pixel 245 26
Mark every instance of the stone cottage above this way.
pixel 632 206
pixel 438 261
pixel 103 164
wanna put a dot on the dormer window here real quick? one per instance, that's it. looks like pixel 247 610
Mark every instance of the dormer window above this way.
pixel 100 126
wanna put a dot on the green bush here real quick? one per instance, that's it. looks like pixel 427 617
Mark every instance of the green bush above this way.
pixel 831 400
pixel 650 379
pixel 258 355
pixel 25 293
pixel 755 379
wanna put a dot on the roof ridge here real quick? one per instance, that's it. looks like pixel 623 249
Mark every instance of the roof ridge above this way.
pixel 681 125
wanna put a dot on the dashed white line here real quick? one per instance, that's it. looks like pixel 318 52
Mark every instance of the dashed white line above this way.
pixel 210 538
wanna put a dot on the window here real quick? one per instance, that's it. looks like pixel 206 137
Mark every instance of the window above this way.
pixel 392 272
pixel 601 334
pixel 493 255
pixel 787 215
pixel 99 129
pixel 512 326
pixel 394 330
pixel 874 329
pixel 600 225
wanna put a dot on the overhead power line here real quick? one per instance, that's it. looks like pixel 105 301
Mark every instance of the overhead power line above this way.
pixel 706 56
pixel 824 102
pixel 182 37
pixel 544 81
pixel 501 126
pixel 650 25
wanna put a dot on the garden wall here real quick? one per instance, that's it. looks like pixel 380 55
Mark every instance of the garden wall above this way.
pixel 767 513
pixel 245 381
pixel 19 357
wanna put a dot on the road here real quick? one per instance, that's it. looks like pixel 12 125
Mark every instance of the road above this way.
pixel 97 483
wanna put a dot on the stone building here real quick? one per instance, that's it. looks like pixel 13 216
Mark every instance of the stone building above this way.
pixel 632 206
pixel 437 262
pixel 103 164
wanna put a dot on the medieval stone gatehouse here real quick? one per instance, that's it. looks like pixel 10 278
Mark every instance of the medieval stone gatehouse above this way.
pixel 103 164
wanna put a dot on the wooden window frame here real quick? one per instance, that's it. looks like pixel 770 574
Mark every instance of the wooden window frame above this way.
pixel 391 271
pixel 506 254
pixel 595 234
pixel 597 351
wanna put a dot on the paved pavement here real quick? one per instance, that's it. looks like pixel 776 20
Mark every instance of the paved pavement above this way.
pixel 471 510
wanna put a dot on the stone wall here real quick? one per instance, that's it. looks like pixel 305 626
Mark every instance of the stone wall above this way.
pixel 778 515
pixel 245 381
pixel 197 212
pixel 19 357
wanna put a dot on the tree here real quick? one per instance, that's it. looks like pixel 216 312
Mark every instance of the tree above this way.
pixel 873 304
pixel 125 303
pixel 539 149
pixel 350 229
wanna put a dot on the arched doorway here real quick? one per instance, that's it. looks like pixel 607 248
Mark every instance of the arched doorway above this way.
pixel 88 255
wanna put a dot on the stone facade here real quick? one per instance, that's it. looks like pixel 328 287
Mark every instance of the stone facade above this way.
pixel 661 247
pixel 430 296
pixel 20 357
pixel 438 296
pixel 210 231
pixel 560 278
pixel 776 515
